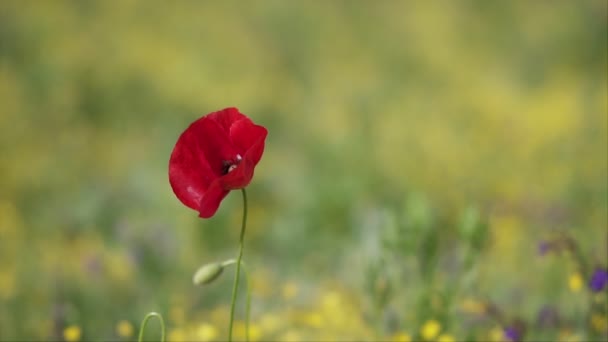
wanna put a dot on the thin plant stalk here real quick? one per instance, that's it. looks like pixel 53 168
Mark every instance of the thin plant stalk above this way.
pixel 248 286
pixel 145 322
pixel 247 309
pixel 238 265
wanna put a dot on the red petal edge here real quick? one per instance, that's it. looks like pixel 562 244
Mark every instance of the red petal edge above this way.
pixel 212 199
pixel 189 173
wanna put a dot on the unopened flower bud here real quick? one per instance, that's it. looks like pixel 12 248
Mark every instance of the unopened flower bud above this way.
pixel 207 273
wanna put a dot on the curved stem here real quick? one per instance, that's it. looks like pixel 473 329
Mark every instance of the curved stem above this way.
pixel 145 322
pixel 238 265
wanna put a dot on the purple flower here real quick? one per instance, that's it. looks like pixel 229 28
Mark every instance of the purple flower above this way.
pixel 515 331
pixel 599 280
pixel 512 334
pixel 544 247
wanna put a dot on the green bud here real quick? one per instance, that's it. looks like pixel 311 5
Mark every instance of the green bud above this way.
pixel 207 273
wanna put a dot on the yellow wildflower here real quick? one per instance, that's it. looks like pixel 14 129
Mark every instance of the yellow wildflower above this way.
pixel 575 282
pixel 240 331
pixel 255 332
pixel 206 332
pixel 314 320
pixel 72 333
pixel 124 329
pixel 598 322
pixel 496 334
pixel 430 329
pixel 270 323
pixel 401 337
pixel 176 335
pixel 445 338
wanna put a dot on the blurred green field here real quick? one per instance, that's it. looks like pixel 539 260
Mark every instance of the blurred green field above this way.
pixel 417 155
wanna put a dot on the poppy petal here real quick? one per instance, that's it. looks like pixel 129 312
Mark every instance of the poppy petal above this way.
pixel 211 199
pixel 189 172
pixel 241 176
pixel 225 118
pixel 216 146
pixel 244 135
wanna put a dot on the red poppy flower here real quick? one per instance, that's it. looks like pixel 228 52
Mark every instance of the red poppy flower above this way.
pixel 215 154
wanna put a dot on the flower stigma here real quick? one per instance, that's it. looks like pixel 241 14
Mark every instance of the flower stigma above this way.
pixel 230 165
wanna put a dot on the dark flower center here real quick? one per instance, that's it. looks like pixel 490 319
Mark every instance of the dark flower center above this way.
pixel 229 165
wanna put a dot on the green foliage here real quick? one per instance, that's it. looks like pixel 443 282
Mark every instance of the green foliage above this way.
pixel 417 154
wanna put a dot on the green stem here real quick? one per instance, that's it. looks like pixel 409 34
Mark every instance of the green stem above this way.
pixel 248 303
pixel 247 310
pixel 238 264
pixel 145 322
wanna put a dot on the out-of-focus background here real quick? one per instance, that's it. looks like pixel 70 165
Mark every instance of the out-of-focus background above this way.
pixel 418 155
